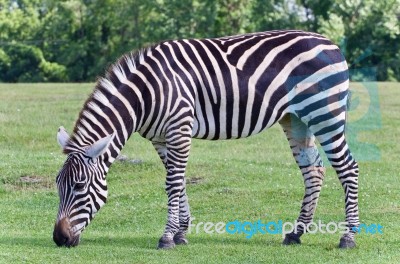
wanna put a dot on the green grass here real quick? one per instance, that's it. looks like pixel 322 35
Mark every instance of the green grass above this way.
pixel 248 179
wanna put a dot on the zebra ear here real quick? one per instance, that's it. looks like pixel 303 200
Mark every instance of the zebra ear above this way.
pixel 99 147
pixel 62 136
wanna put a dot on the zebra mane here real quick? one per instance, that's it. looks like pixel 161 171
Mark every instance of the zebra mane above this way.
pixel 122 68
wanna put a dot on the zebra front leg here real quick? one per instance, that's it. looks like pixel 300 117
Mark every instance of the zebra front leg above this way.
pixel 161 149
pixel 178 208
pixel 184 218
pixel 184 211
pixel 305 152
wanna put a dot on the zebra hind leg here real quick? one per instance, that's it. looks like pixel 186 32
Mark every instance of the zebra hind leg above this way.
pixel 339 155
pixel 305 152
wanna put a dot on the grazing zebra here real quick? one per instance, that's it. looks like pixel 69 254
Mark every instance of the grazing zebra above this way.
pixel 220 88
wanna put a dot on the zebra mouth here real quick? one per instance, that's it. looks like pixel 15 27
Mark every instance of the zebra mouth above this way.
pixel 73 241
pixel 64 235
pixel 61 239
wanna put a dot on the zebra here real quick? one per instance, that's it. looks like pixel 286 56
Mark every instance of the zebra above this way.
pixel 216 89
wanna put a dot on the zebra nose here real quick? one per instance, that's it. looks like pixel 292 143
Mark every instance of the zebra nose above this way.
pixel 61 234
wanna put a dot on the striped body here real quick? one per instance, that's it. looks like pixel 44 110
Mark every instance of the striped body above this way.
pixel 221 88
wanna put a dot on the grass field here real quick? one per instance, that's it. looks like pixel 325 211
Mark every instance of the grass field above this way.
pixel 248 180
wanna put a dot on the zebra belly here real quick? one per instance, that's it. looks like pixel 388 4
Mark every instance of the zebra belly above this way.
pixel 221 129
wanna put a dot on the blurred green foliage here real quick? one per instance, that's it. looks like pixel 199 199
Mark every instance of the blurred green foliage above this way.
pixel 76 40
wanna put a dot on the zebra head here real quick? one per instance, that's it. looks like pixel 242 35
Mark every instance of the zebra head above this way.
pixel 81 186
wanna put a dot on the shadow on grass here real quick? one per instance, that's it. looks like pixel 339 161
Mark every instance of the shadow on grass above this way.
pixel 308 243
pixel 27 241
pixel 150 242
pixel 145 242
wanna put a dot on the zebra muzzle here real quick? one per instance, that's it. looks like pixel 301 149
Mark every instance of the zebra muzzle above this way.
pixel 62 235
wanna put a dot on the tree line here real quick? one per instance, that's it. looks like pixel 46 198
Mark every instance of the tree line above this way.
pixel 76 40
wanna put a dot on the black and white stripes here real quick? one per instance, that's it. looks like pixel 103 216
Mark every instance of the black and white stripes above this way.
pixel 221 88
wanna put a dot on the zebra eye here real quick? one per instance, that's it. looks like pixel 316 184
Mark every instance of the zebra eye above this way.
pixel 79 186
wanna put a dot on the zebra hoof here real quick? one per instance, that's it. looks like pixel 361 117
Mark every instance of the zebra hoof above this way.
pixel 165 243
pixel 291 239
pixel 180 239
pixel 347 242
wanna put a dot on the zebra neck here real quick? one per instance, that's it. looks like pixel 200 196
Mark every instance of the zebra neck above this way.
pixel 107 112
pixel 116 106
